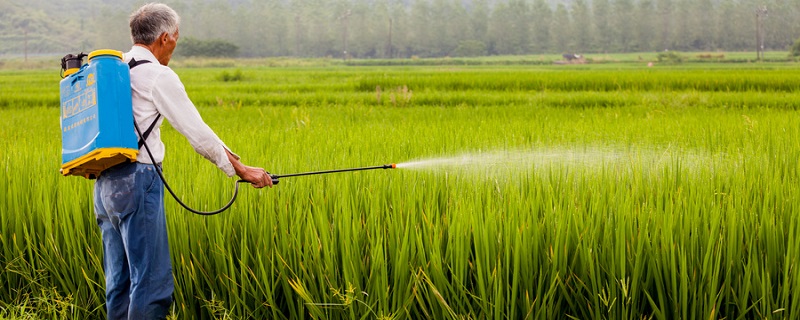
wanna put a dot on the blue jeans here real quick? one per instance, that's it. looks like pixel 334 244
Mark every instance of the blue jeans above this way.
pixel 129 207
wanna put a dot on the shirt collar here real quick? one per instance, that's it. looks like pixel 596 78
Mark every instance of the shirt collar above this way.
pixel 141 53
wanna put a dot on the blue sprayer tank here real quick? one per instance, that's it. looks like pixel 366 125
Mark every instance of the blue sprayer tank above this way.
pixel 96 114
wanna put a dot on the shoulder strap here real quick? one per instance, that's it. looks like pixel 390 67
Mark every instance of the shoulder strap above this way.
pixel 132 64
pixel 147 132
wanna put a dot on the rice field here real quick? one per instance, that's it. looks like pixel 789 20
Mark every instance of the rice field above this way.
pixel 522 192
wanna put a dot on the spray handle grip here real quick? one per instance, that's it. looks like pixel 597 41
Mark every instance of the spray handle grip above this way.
pixel 274 179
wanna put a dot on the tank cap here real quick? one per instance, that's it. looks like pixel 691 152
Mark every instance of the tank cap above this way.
pixel 71 63
pixel 105 52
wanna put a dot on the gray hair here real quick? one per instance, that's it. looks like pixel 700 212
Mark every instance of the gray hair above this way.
pixel 151 20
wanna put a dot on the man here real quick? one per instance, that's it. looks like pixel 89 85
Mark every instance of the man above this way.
pixel 129 198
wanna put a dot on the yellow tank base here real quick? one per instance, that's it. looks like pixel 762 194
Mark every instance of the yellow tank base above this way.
pixel 93 163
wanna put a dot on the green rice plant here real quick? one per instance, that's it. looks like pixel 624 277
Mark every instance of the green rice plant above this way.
pixel 523 192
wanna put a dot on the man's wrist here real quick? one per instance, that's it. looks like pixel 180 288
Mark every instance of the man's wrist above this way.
pixel 237 165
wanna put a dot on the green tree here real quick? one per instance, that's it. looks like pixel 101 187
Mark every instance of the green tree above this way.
pixel 208 20
pixel 192 47
pixel 377 19
pixel 680 35
pixel 470 48
pixel 780 25
pixel 700 27
pixel 383 28
pixel 602 25
pixel 444 32
pixel 727 26
pixel 362 35
pixel 401 26
pixel 479 21
pixel 520 26
pixel 790 16
pixel 263 29
pixel 581 27
pixel 420 41
pixel 645 31
pixel 559 29
pixel 541 17
pixel 664 11
pixel 325 28
pixel 510 28
pixel 622 25
pixel 794 51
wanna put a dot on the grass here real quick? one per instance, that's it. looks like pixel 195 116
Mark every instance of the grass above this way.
pixel 588 193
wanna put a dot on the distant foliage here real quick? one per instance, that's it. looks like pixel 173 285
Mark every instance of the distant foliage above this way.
pixel 470 48
pixel 234 76
pixel 795 51
pixel 670 57
pixel 191 47
pixel 370 29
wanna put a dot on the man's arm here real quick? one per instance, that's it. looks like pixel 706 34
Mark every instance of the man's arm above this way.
pixel 171 99
pixel 258 177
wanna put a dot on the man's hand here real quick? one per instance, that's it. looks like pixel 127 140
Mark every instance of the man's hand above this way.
pixel 258 177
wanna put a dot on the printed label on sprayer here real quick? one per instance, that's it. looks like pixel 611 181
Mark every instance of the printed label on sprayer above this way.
pixel 79 118
pixel 78 104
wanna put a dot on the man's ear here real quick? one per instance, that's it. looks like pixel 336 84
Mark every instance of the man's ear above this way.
pixel 163 37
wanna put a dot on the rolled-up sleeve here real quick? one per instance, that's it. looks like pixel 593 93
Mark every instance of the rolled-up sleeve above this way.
pixel 171 100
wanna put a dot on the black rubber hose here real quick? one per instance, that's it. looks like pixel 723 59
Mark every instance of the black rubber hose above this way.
pixel 164 181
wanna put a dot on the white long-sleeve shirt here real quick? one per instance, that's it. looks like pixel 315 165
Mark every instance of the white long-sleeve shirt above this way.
pixel 156 89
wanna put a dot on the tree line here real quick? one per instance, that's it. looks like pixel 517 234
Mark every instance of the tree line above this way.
pixel 437 28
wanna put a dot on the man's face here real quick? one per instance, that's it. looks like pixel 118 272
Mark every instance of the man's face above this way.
pixel 168 43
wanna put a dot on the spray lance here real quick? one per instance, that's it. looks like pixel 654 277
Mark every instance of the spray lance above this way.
pixel 275 180
pixel 275 177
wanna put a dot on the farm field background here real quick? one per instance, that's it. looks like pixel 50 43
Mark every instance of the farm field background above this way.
pixel 610 191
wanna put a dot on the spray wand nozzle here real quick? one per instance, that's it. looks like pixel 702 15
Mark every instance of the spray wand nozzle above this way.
pixel 275 177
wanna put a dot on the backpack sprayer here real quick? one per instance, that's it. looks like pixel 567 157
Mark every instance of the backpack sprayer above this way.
pixel 97 126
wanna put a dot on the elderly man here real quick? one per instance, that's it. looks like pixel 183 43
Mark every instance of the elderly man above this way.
pixel 129 198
